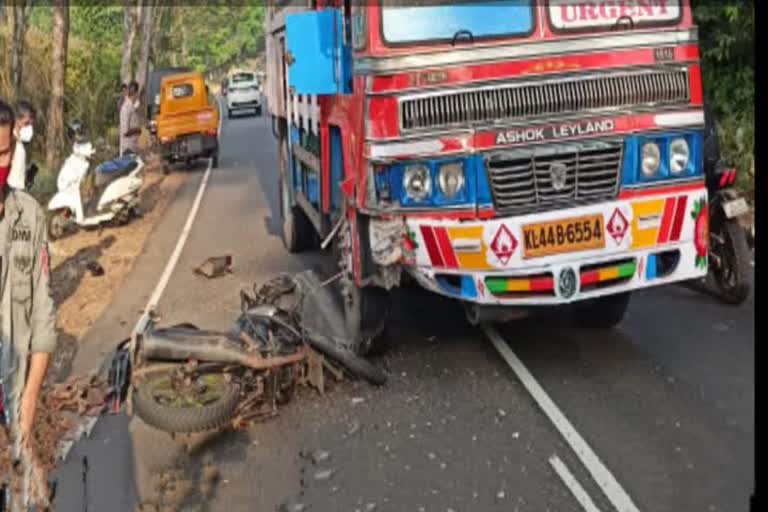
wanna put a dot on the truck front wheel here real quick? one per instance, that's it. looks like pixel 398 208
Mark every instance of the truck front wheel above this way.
pixel 365 314
pixel 297 231
pixel 602 312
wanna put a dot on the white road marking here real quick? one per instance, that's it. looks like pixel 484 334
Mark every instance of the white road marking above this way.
pixel 572 484
pixel 602 476
pixel 173 260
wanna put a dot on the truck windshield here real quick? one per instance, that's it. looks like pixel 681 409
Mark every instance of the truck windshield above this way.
pixel 409 21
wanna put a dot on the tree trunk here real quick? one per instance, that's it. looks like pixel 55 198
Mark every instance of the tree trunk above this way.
pixel 147 32
pixel 130 26
pixel 60 39
pixel 21 11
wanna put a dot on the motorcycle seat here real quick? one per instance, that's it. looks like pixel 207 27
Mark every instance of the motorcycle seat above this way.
pixel 120 165
pixel 111 170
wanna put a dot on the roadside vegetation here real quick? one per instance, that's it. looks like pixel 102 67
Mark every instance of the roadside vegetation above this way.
pixel 99 46
pixel 726 33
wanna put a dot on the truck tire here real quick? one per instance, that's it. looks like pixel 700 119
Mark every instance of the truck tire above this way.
pixel 602 312
pixel 365 316
pixel 298 233
pixel 172 419
pixel 215 159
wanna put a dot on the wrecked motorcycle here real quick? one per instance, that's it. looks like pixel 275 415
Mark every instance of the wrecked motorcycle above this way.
pixel 184 379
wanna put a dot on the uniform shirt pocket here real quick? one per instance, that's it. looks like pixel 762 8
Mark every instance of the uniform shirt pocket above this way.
pixel 21 280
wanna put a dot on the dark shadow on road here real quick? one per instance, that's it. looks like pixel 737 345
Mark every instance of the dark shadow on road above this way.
pixel 66 277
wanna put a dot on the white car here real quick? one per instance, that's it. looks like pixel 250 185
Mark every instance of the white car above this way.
pixel 243 93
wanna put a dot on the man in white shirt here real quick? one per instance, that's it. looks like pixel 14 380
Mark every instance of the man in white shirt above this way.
pixel 129 121
pixel 23 130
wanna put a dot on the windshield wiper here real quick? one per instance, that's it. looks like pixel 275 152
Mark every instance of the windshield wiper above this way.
pixel 628 22
pixel 462 32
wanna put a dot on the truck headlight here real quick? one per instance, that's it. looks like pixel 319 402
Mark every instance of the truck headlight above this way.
pixel 679 154
pixel 451 179
pixel 417 182
pixel 650 159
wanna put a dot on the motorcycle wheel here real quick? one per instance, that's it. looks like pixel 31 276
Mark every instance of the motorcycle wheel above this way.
pixel 57 225
pixel 161 405
pixel 728 242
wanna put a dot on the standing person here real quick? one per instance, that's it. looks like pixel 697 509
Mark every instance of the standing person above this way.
pixel 27 315
pixel 23 131
pixel 129 121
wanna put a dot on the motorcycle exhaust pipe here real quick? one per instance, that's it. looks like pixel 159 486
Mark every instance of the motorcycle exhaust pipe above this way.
pixel 208 349
pixel 478 314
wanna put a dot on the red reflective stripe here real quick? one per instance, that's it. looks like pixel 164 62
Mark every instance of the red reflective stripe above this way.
pixel 732 179
pixel 666 220
pixel 541 284
pixel 431 243
pixel 446 248
pixel 677 227
pixel 724 178
pixel 590 277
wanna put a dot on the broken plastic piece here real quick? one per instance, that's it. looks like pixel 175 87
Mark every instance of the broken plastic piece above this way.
pixel 215 266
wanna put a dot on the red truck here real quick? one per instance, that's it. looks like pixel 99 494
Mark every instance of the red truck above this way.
pixel 508 154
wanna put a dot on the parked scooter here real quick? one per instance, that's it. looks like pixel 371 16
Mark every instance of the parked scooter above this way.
pixel 114 197
pixel 729 251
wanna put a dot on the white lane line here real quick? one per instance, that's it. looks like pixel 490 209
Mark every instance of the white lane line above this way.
pixel 572 484
pixel 602 476
pixel 173 260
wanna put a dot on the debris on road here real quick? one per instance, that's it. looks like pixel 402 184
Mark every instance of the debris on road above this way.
pixel 215 266
pixel 95 268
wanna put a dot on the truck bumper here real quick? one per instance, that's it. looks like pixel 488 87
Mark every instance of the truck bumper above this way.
pixel 190 146
pixel 646 239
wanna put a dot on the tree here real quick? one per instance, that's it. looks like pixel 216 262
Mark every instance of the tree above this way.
pixel 20 10
pixel 130 28
pixel 60 40
pixel 147 31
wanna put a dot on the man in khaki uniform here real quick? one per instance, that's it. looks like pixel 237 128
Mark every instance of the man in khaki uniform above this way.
pixel 27 315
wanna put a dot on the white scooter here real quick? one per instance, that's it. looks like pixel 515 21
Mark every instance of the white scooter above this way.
pixel 115 195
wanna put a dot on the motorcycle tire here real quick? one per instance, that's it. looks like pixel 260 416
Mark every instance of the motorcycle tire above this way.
pixel 209 416
pixel 735 290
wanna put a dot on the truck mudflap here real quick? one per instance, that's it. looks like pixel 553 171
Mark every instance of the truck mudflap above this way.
pixel 641 239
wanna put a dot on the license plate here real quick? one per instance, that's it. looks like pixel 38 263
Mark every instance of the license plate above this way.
pixel 566 235
pixel 735 208
pixel 194 145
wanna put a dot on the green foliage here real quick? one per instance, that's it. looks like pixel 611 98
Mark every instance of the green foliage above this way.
pixel 726 39
pixel 229 34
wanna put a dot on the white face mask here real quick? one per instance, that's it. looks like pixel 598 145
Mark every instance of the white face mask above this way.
pixel 26 133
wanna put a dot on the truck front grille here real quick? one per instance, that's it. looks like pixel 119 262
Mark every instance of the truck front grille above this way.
pixel 549 177
pixel 574 94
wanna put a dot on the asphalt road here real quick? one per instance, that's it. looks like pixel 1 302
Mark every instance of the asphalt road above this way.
pixel 665 403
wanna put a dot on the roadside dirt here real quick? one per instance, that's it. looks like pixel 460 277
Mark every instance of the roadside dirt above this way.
pixel 80 296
